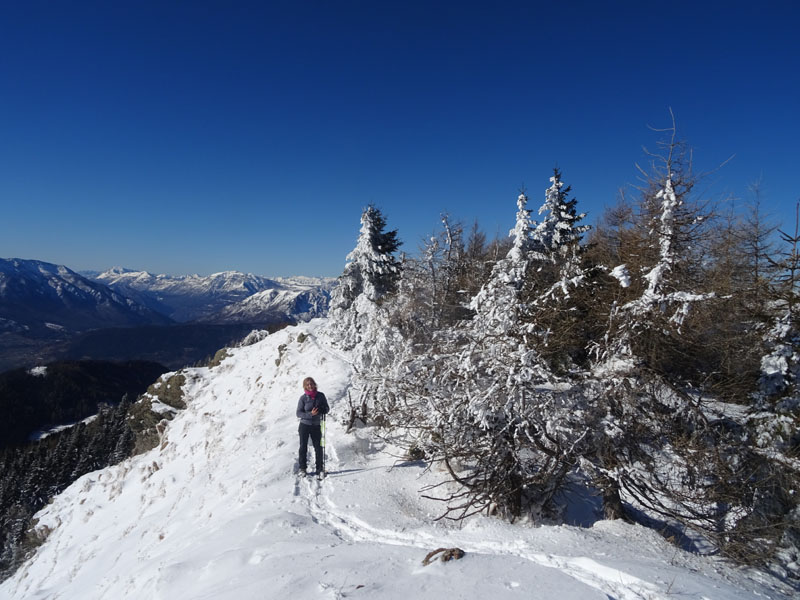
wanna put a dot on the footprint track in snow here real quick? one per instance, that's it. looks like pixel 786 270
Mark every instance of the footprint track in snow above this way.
pixel 611 581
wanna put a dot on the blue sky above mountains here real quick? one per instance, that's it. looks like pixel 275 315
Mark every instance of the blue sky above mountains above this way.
pixel 196 137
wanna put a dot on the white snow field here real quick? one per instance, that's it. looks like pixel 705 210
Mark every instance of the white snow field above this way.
pixel 216 512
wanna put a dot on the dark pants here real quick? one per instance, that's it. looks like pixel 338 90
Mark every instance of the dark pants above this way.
pixel 316 438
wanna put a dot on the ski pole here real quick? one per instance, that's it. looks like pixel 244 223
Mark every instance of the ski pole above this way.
pixel 323 443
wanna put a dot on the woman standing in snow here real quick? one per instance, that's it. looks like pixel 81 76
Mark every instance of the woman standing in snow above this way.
pixel 310 408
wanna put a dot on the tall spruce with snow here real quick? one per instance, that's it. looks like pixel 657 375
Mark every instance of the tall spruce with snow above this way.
pixel 370 275
pixel 559 232
pixel 496 305
pixel 556 293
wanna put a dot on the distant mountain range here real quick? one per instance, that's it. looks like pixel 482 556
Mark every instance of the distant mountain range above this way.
pixel 47 311
pixel 227 297
pixel 40 299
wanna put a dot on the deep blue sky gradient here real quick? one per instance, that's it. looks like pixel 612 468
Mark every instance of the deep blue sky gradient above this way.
pixel 194 137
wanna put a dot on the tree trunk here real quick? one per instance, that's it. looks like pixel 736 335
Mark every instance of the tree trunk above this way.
pixel 612 503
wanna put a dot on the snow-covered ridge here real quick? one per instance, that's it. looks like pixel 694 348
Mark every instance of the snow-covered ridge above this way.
pixel 36 295
pixel 298 303
pixel 222 282
pixel 214 511
pixel 60 279
pixel 213 297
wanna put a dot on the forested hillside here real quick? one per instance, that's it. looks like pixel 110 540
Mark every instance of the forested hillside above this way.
pixel 60 421
pixel 63 393
pixel 31 475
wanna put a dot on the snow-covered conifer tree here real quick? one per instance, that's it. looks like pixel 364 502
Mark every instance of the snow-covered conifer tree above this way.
pixel 558 233
pixel 556 285
pixel 489 412
pixel 358 319
pixel 370 275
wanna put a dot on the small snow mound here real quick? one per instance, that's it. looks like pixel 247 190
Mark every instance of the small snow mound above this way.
pixel 38 371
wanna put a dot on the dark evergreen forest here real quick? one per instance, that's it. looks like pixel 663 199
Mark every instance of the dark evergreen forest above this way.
pixel 66 393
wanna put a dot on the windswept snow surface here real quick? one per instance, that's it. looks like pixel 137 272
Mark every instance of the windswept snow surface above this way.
pixel 216 512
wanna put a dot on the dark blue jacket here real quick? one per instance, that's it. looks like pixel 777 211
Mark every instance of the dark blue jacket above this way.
pixel 305 405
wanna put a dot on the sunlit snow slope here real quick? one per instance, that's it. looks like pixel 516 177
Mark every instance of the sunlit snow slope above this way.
pixel 216 513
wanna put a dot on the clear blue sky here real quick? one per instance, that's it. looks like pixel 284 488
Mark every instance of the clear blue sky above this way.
pixel 196 136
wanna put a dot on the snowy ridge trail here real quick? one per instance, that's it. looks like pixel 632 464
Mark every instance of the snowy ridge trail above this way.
pixel 347 526
pixel 216 512
pixel 609 580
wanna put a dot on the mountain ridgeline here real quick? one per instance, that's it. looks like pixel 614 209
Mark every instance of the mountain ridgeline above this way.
pixel 49 312
pixel 40 299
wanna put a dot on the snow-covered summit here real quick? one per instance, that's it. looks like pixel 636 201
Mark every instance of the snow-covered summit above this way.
pixel 291 302
pixel 214 511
